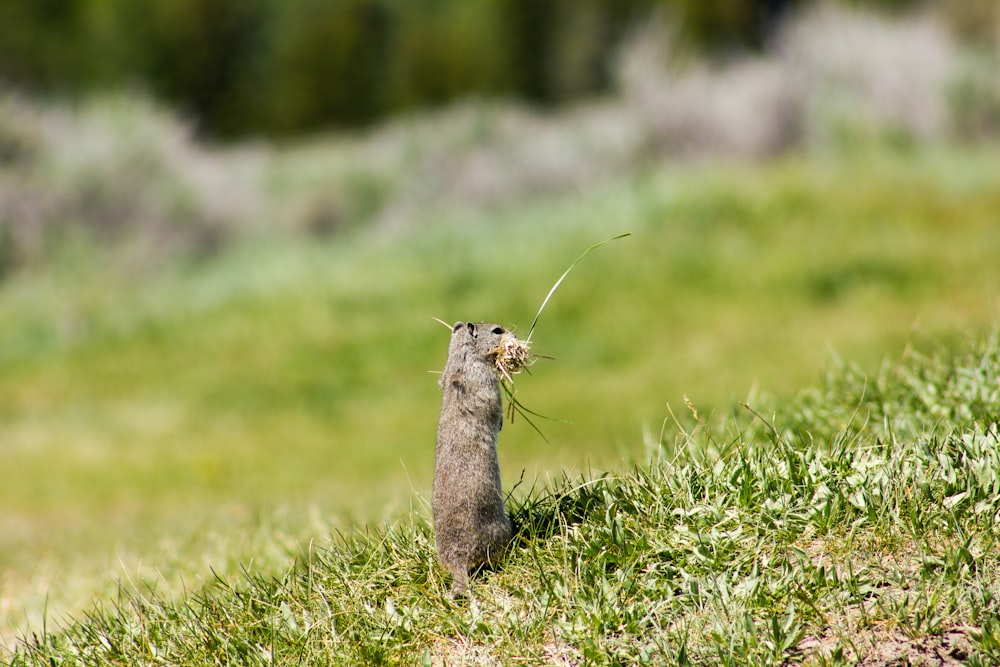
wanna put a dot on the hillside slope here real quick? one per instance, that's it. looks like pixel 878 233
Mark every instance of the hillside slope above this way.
pixel 856 522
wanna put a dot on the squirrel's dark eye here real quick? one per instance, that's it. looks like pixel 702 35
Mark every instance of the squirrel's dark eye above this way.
pixel 498 330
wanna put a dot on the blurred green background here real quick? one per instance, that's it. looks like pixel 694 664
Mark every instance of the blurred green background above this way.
pixel 226 228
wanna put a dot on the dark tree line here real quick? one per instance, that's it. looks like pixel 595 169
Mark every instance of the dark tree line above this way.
pixel 280 67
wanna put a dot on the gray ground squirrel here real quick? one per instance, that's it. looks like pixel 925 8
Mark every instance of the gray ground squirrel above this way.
pixel 471 527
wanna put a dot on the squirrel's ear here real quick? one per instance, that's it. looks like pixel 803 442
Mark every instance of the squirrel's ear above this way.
pixel 472 328
pixel 458 325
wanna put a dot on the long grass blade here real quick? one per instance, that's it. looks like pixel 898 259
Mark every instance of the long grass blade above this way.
pixel 566 273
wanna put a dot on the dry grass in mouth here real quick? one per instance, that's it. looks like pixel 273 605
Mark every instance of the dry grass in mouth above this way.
pixel 513 355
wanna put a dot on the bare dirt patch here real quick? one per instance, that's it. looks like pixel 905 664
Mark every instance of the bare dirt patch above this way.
pixel 949 649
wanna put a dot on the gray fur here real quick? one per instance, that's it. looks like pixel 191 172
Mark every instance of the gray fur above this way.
pixel 471 527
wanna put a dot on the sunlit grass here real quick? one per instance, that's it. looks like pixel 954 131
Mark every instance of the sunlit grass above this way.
pixel 854 522
pixel 294 375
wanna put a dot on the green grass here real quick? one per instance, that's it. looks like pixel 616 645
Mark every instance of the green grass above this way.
pixel 855 522
pixel 162 426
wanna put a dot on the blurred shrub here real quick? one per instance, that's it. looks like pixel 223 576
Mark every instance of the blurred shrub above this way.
pixel 117 173
pixel 864 75
pixel 747 108
pixel 834 76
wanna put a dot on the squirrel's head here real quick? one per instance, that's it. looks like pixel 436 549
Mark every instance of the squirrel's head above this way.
pixel 487 345
pixel 484 338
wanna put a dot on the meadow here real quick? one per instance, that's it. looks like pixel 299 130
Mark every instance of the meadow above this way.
pixel 771 432
pixel 854 524
pixel 163 430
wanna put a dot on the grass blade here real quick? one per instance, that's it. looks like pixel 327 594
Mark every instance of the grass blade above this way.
pixel 566 273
